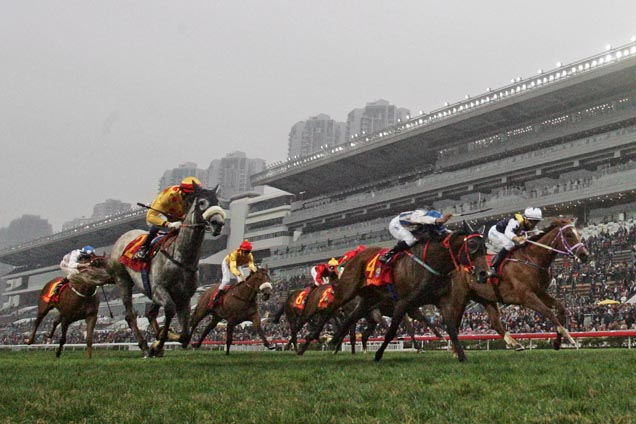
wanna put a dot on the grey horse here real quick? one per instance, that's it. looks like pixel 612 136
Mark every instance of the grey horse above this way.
pixel 173 272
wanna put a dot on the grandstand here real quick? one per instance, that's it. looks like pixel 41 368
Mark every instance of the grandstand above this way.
pixel 564 140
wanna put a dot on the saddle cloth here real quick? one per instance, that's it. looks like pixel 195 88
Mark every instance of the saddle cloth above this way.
pixel 377 273
pixel 128 255
pixel 53 293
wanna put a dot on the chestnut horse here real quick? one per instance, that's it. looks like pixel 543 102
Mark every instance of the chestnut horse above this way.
pixel 174 271
pixel 417 281
pixel 524 280
pixel 76 301
pixel 238 305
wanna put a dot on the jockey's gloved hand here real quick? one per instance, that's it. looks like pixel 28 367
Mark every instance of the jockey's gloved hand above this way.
pixel 174 225
pixel 444 218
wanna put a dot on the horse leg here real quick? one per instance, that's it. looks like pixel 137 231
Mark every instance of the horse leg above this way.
pixel 229 336
pixel 399 311
pixel 354 316
pixel 372 324
pixel 555 304
pixel 162 297
pixel 418 315
pixel 215 320
pixel 65 325
pixel 256 323
pixel 56 322
pixel 493 314
pixel 38 320
pixel 151 316
pixel 314 334
pixel 535 303
pixel 410 329
pixel 449 313
pixel 183 313
pixel 125 292
pixel 91 320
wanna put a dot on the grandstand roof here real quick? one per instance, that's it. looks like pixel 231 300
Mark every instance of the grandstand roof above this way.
pixel 415 149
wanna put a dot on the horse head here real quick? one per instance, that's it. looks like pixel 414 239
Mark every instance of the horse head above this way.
pixel 565 239
pixel 261 282
pixel 468 251
pixel 207 209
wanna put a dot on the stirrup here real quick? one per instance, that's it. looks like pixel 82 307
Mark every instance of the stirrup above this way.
pixel 385 259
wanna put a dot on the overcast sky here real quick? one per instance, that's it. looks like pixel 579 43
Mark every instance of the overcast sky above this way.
pixel 98 99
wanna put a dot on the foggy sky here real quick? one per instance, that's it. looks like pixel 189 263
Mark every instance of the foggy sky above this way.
pixel 98 99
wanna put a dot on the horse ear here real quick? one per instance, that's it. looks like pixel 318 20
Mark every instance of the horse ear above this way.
pixel 482 230
pixel 216 189
pixel 467 228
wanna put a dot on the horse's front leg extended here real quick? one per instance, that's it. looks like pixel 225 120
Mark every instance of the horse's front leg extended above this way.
pixel 229 336
pixel 162 297
pixel 56 322
pixel 152 318
pixel 184 319
pixel 449 315
pixel 552 303
pixel 372 324
pixel 125 292
pixel 38 320
pixel 256 323
pixel 358 312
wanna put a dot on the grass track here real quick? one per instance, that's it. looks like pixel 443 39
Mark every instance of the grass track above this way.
pixel 541 386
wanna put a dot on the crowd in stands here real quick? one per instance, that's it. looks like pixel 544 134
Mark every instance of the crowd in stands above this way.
pixel 609 275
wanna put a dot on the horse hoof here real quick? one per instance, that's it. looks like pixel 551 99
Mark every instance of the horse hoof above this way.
pixel 520 348
pixel 270 347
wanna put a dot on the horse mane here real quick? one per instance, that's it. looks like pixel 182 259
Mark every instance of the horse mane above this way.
pixel 556 223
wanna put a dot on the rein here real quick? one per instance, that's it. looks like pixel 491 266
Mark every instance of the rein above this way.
pixel 464 249
pixel 81 294
pixel 569 250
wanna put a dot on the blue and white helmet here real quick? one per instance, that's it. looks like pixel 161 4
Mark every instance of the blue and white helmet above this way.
pixel 87 250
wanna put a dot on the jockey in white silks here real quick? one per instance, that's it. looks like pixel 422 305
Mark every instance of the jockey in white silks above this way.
pixel 410 226
pixel 508 233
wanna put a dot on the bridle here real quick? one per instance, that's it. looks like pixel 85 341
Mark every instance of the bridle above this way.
pixel 560 237
pixel 463 252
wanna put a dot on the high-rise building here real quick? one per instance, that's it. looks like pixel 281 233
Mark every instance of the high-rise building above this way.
pixel 109 208
pixel 233 172
pixel 314 134
pixel 187 169
pixel 374 117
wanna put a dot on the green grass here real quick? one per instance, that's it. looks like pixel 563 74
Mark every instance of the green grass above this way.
pixel 585 386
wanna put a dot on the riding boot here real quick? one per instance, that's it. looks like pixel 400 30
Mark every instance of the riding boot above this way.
pixel 496 261
pixel 143 251
pixel 400 246
pixel 217 297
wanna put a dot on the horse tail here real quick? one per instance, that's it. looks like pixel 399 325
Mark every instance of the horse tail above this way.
pixel 279 313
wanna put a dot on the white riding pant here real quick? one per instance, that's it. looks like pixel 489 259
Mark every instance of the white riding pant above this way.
pixel 227 274
pixel 499 240
pixel 399 232
pixel 313 277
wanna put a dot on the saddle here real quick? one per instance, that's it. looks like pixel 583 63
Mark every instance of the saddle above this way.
pixel 127 257
pixel 377 273
pixel 52 295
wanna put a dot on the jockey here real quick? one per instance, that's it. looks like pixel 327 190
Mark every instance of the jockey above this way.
pixel 168 210
pixel 75 261
pixel 233 266
pixel 507 233
pixel 324 273
pixel 408 227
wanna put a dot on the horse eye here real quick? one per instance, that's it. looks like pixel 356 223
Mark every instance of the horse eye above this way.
pixel 204 203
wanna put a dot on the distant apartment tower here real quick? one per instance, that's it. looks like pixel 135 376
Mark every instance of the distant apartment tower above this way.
pixel 233 172
pixel 109 208
pixel 187 169
pixel 310 136
pixel 374 117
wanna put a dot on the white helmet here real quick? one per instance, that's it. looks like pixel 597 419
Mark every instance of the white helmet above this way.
pixel 533 214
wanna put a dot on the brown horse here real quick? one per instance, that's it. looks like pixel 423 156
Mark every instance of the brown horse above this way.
pixel 417 282
pixel 524 280
pixel 78 300
pixel 238 305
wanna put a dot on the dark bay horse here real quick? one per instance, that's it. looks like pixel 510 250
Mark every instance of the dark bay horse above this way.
pixel 417 282
pixel 77 301
pixel 174 271
pixel 239 304
pixel 524 280
pixel 312 310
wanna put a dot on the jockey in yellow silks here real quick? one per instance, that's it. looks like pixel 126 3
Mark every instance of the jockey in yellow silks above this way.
pixel 508 233
pixel 233 267
pixel 168 210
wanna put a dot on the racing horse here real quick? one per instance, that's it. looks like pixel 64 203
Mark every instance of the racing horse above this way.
pixel 524 280
pixel 422 276
pixel 237 305
pixel 77 300
pixel 173 272
pixel 312 310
